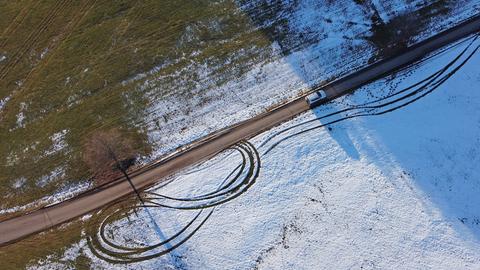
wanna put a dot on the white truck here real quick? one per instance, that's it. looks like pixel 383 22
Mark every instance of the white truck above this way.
pixel 316 98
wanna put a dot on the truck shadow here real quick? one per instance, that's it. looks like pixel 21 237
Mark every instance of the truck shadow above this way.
pixel 342 138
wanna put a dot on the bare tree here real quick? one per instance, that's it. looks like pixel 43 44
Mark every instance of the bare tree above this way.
pixel 108 151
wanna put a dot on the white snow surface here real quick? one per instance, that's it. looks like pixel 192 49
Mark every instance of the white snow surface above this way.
pixel 56 173
pixel 19 182
pixel 396 191
pixel 3 102
pixel 21 115
pixel 58 142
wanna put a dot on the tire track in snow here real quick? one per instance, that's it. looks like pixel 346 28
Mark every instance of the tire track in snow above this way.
pixel 101 240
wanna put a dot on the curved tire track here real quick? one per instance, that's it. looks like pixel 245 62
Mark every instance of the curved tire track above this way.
pixel 235 184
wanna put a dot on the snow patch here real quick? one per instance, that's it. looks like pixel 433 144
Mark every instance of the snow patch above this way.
pixel 54 175
pixel 21 115
pixel 44 53
pixel 19 182
pixel 58 142
pixel 3 102
pixel 60 195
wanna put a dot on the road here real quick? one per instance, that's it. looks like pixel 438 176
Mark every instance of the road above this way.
pixel 17 228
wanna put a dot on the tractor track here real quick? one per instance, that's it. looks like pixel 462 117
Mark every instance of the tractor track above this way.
pixel 58 40
pixel 32 38
pixel 17 21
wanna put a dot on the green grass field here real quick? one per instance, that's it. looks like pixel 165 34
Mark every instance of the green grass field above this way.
pixel 64 65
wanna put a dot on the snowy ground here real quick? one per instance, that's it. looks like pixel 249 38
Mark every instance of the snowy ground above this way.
pixel 394 191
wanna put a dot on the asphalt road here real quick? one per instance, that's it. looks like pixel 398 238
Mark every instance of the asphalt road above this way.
pixel 17 228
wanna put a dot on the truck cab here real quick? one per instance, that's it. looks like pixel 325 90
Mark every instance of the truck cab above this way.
pixel 316 98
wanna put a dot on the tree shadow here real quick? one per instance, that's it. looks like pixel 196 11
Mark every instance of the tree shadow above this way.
pixel 176 258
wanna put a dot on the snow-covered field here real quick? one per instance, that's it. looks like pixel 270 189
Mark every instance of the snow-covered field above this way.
pixel 393 186
pixel 311 42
